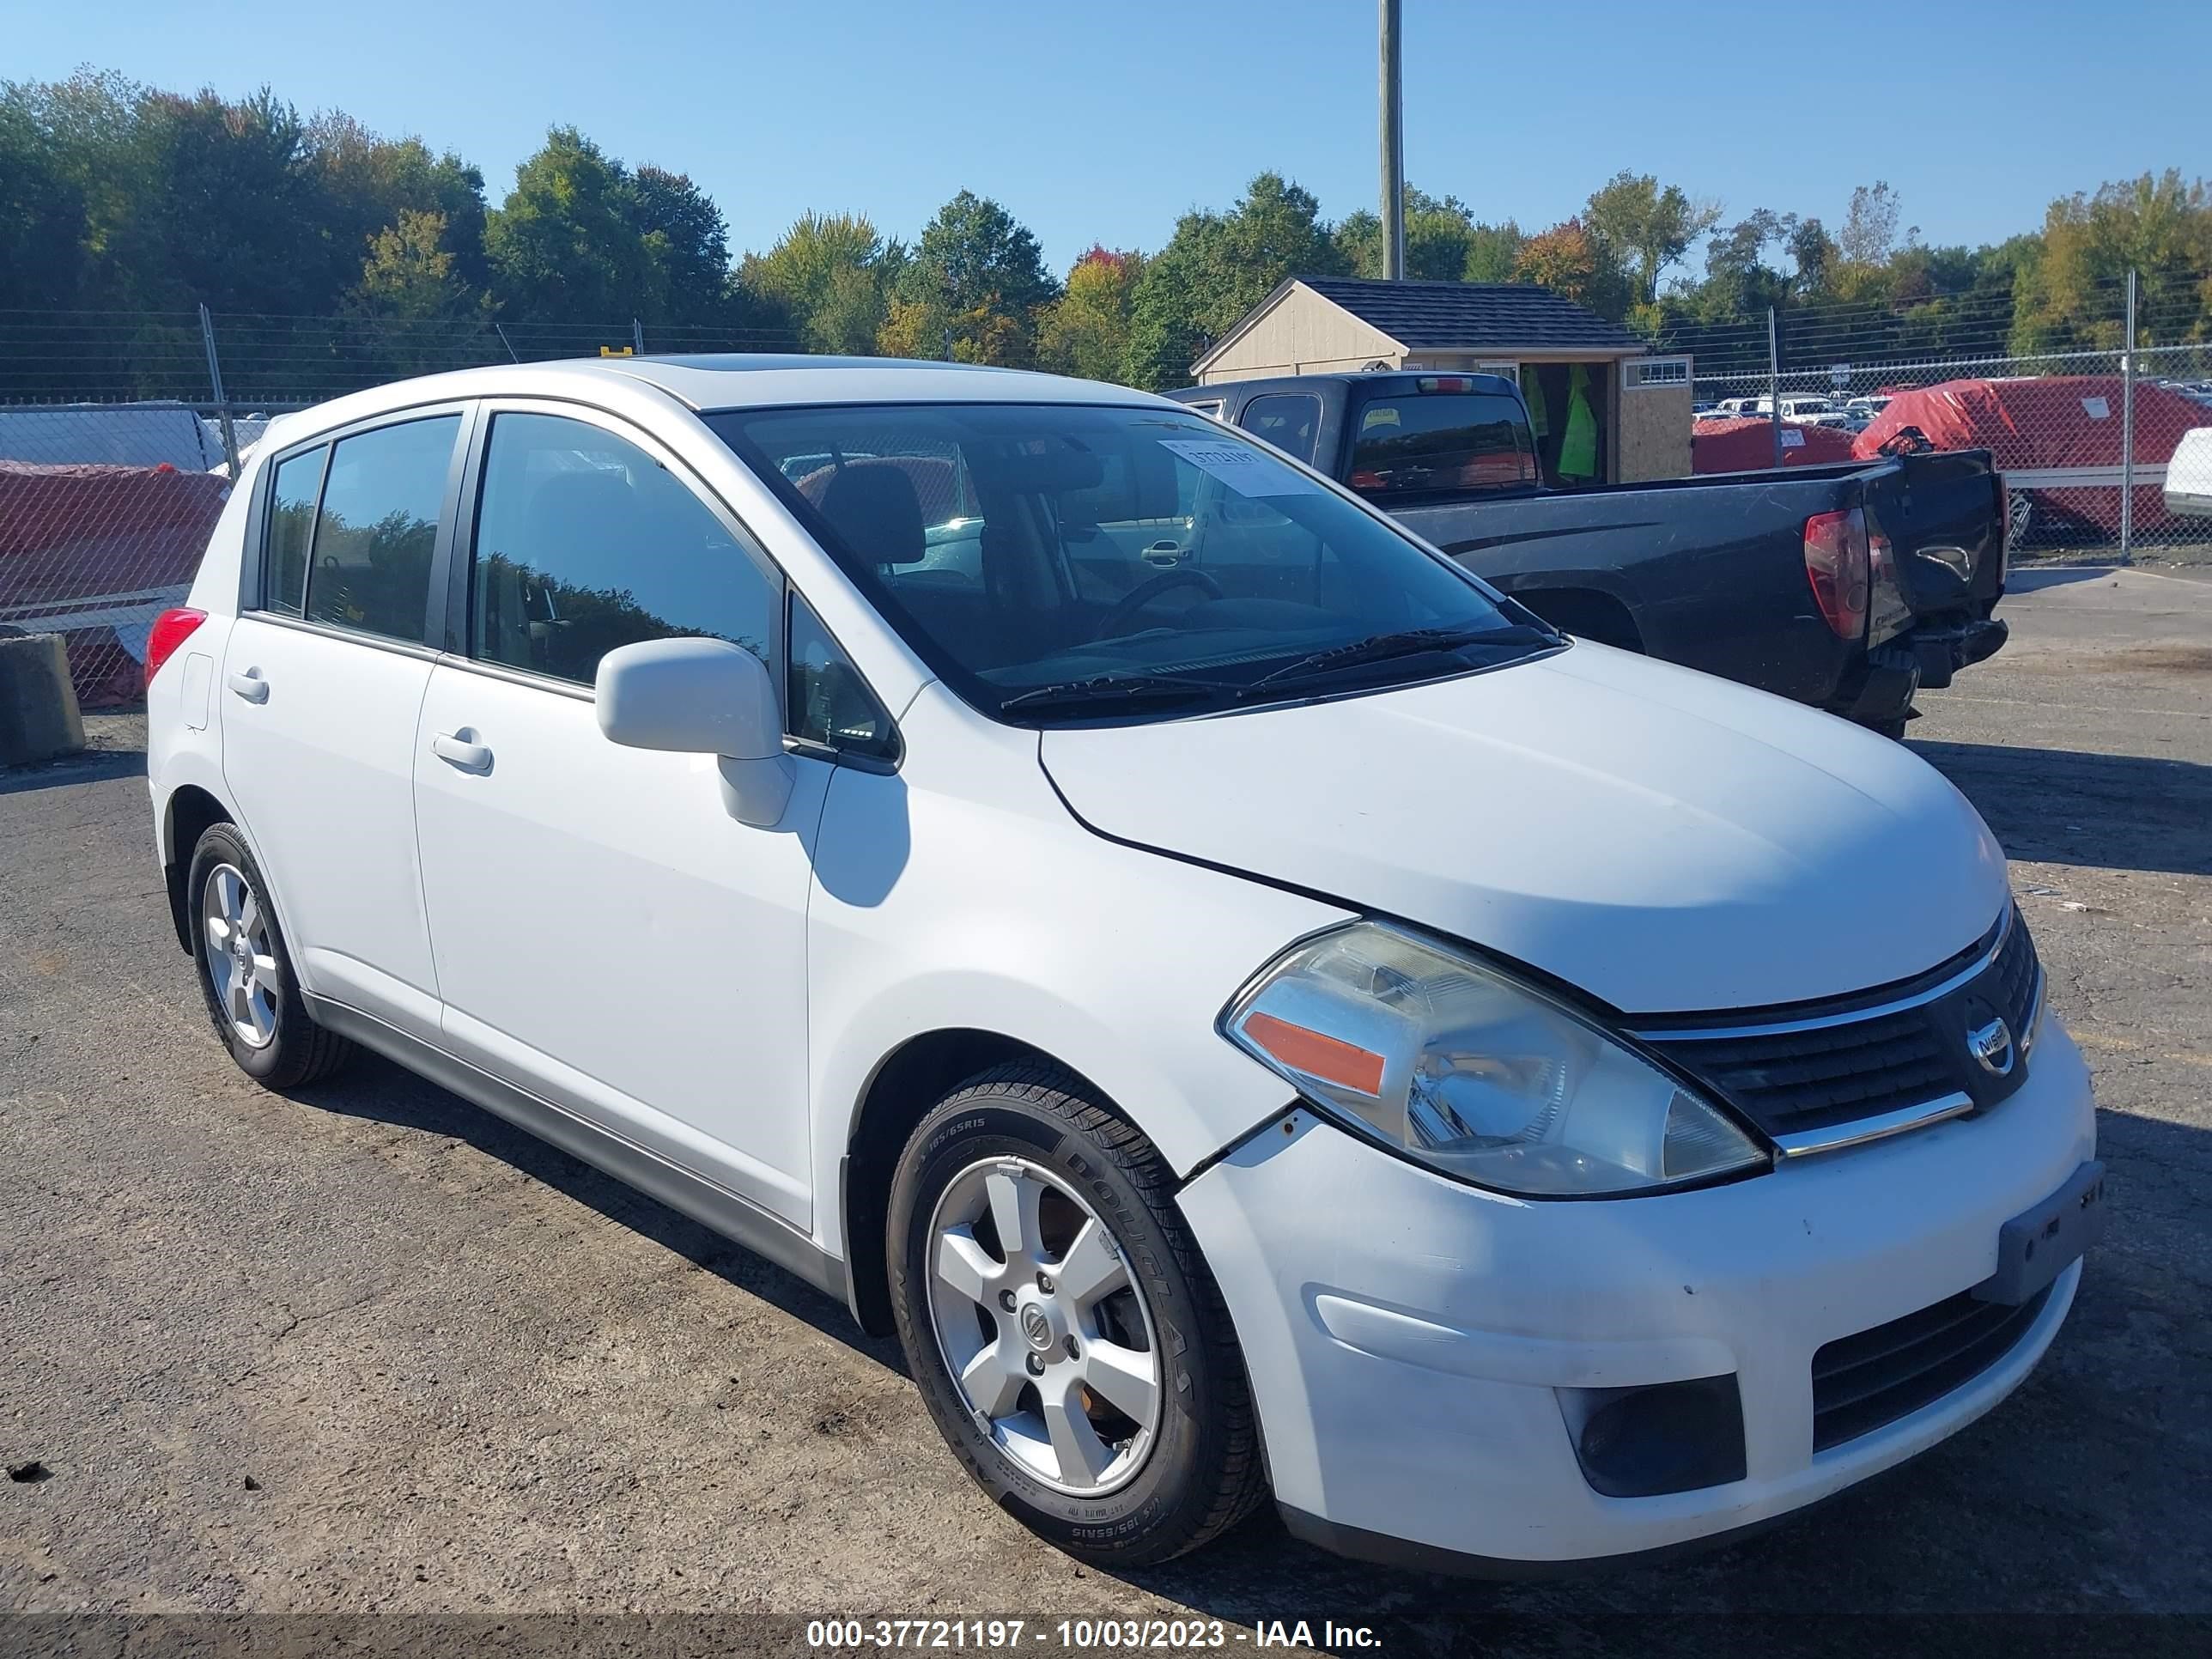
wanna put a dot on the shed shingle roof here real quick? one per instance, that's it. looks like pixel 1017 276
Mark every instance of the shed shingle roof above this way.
pixel 1473 316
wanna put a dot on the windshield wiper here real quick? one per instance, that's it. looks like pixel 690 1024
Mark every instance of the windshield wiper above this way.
pixel 1107 690
pixel 1405 642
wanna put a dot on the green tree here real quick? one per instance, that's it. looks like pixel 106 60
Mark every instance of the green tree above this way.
pixel 369 181
pixel 830 275
pixel 976 278
pixel 42 217
pixel 1491 251
pixel 1645 227
pixel 687 249
pixel 1085 332
pixel 1441 236
pixel 2159 225
pixel 564 247
pixel 1216 267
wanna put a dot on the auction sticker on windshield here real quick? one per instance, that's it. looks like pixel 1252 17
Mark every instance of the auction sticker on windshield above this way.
pixel 1247 471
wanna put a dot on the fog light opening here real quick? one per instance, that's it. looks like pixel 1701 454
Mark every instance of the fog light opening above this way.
pixel 1663 1437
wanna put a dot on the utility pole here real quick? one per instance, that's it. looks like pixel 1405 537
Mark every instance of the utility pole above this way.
pixel 1394 144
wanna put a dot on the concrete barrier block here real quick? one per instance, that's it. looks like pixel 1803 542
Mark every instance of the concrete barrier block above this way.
pixel 38 716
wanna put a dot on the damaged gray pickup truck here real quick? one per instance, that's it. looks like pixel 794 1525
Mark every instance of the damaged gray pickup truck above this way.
pixel 1847 586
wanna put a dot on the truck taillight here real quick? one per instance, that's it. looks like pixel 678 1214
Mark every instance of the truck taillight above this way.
pixel 1444 383
pixel 1836 561
pixel 171 630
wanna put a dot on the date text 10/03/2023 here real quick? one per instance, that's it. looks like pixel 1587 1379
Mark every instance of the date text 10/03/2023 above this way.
pixel 1012 1635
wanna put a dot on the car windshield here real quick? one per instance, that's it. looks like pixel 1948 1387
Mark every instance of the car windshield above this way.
pixel 1063 563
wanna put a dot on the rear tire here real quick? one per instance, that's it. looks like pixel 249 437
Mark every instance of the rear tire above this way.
pixel 245 970
pixel 1089 1380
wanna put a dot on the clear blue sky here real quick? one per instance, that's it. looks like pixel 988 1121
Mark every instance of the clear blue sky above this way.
pixel 1102 121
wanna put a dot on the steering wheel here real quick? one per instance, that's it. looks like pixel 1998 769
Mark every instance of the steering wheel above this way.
pixel 1125 609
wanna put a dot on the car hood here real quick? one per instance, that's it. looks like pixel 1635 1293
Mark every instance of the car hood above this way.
pixel 1662 840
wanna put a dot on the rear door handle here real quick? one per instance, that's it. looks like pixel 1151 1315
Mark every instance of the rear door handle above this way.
pixel 460 749
pixel 250 685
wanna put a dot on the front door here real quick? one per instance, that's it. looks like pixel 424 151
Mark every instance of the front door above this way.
pixel 607 936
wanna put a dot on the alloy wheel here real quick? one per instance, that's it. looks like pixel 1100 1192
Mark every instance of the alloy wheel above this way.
pixel 1042 1328
pixel 241 962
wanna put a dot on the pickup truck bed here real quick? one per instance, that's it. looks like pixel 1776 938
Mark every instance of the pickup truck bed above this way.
pixel 1711 572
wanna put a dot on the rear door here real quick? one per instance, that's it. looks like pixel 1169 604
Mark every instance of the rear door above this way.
pixel 322 679
pixel 609 937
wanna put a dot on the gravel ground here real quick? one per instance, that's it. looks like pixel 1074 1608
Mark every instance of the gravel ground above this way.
pixel 373 1351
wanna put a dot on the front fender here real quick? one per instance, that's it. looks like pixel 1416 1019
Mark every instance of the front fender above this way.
pixel 1014 920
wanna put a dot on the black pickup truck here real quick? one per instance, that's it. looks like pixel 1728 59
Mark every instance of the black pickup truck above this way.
pixel 1848 586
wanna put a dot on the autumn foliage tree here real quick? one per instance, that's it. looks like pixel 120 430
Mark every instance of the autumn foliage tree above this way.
pixel 1085 332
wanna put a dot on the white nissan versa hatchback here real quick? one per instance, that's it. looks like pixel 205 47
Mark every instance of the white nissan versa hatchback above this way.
pixel 1257 1012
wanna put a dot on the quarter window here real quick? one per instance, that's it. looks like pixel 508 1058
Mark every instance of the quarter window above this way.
pixel 293 494
pixel 378 527
pixel 830 703
pixel 585 544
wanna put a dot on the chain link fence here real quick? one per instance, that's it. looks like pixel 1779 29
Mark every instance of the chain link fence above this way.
pixel 119 433
pixel 2085 436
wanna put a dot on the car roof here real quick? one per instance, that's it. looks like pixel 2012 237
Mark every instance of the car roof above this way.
pixel 729 380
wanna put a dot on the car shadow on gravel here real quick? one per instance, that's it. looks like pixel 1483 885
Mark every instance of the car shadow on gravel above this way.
pixel 2071 807
pixel 375 1089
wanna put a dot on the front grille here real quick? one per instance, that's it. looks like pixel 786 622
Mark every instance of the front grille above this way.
pixel 1801 1080
pixel 1861 1382
pixel 1814 1066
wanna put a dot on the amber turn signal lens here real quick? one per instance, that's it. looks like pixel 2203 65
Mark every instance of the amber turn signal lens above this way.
pixel 1330 1059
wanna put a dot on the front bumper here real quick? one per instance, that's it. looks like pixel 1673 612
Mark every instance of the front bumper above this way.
pixel 1408 1336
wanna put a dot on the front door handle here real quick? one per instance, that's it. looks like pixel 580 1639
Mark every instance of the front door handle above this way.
pixel 462 750
pixel 250 685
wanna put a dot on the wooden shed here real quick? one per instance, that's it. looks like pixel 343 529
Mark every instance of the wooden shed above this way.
pixel 1316 324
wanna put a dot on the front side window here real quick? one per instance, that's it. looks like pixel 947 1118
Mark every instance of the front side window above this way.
pixel 1290 422
pixel 1134 561
pixel 378 527
pixel 584 543
pixel 293 493
pixel 1424 444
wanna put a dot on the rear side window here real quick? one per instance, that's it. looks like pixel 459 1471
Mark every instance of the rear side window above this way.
pixel 1423 444
pixel 378 527
pixel 1290 422
pixel 297 487
pixel 585 544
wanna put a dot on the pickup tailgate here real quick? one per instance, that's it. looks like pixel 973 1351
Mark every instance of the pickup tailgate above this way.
pixel 1943 516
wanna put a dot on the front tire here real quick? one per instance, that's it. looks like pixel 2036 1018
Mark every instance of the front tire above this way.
pixel 245 969
pixel 1062 1327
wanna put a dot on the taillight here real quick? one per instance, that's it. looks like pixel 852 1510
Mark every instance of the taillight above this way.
pixel 1444 383
pixel 1835 565
pixel 171 630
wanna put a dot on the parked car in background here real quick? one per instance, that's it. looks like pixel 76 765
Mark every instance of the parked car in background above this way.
pixel 1276 1020
pixel 1848 586
pixel 1807 410
pixel 2188 476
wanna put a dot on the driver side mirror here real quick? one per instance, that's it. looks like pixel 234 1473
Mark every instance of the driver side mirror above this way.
pixel 700 696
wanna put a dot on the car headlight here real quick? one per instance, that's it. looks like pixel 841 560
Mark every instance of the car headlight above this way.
pixel 1474 1074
